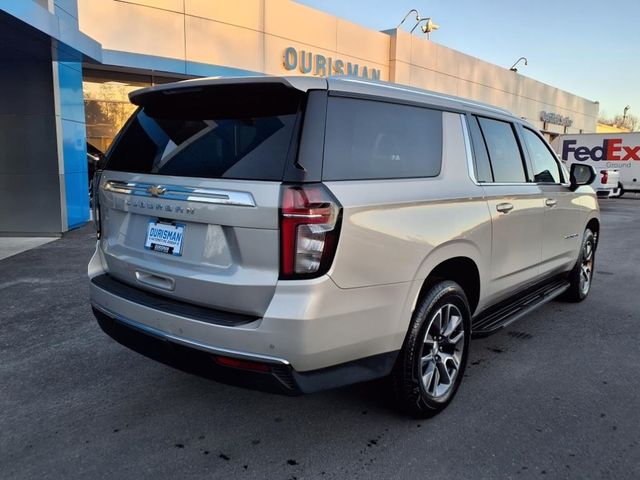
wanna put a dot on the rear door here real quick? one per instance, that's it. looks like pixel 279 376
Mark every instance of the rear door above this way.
pixel 515 205
pixel 189 197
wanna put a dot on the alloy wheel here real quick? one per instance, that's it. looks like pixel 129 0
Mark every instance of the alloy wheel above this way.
pixel 442 350
pixel 586 267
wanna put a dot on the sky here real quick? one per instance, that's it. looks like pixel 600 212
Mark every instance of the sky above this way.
pixel 587 47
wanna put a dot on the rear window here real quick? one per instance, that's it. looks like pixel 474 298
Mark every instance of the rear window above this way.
pixel 377 140
pixel 206 141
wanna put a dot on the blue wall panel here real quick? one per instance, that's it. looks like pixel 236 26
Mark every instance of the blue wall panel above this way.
pixel 74 147
pixel 77 193
pixel 69 6
pixel 70 90
pixel 74 143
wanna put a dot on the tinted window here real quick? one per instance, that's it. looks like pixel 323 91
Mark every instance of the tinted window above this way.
pixel 545 166
pixel 504 152
pixel 480 154
pixel 251 147
pixel 368 139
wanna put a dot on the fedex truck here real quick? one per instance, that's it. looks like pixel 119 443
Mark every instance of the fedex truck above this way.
pixel 604 151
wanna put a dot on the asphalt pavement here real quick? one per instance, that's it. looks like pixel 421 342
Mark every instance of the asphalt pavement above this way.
pixel 555 395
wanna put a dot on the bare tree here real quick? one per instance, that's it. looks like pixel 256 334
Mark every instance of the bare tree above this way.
pixel 630 121
pixel 604 119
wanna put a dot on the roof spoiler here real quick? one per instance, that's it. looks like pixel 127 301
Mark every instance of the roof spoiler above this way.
pixel 303 84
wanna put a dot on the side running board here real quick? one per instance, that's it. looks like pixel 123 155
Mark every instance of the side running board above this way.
pixel 508 312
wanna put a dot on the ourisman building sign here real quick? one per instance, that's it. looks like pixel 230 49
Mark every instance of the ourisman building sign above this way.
pixel 556 119
pixel 316 64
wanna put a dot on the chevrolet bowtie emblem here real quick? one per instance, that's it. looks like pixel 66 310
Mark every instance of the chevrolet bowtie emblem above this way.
pixel 156 190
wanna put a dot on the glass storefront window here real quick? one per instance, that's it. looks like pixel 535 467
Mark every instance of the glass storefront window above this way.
pixel 107 108
pixel 106 102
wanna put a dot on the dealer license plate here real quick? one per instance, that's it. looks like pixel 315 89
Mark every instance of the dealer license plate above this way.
pixel 165 237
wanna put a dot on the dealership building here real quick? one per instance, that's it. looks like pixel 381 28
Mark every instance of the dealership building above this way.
pixel 68 66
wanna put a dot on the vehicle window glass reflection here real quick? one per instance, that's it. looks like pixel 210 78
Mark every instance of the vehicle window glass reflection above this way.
pixel 545 166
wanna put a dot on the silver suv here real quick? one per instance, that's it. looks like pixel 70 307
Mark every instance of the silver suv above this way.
pixel 297 234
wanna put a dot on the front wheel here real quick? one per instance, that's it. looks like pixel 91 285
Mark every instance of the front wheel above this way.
pixel 620 190
pixel 431 364
pixel 581 276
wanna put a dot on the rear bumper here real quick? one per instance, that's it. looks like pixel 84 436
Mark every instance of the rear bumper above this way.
pixel 605 191
pixel 312 329
pixel 275 375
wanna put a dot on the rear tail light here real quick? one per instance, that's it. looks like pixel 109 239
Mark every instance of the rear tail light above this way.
pixel 95 186
pixel 605 177
pixel 309 229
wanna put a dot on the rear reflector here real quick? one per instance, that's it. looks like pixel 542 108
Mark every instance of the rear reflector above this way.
pixel 309 228
pixel 242 364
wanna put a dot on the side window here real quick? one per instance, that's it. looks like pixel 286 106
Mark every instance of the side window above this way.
pixel 367 139
pixel 480 154
pixel 545 166
pixel 504 152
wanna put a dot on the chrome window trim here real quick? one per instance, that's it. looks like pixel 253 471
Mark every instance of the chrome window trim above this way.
pixel 256 357
pixel 467 146
pixel 175 192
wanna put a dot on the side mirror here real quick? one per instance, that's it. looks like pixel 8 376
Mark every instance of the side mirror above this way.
pixel 581 174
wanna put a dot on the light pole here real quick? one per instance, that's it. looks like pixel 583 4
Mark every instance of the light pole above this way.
pixel 624 114
pixel 513 67
pixel 413 10
pixel 427 28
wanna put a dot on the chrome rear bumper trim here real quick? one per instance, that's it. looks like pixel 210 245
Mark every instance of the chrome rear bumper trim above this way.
pixel 255 357
pixel 187 194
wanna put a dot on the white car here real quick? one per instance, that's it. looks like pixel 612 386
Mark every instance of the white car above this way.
pixel 607 183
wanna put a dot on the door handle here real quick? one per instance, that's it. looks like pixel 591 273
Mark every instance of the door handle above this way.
pixel 504 207
pixel 550 202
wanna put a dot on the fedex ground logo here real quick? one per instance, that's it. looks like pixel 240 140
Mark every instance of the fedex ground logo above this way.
pixel 610 150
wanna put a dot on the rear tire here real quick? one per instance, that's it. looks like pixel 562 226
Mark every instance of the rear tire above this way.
pixel 581 276
pixel 432 361
pixel 620 191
